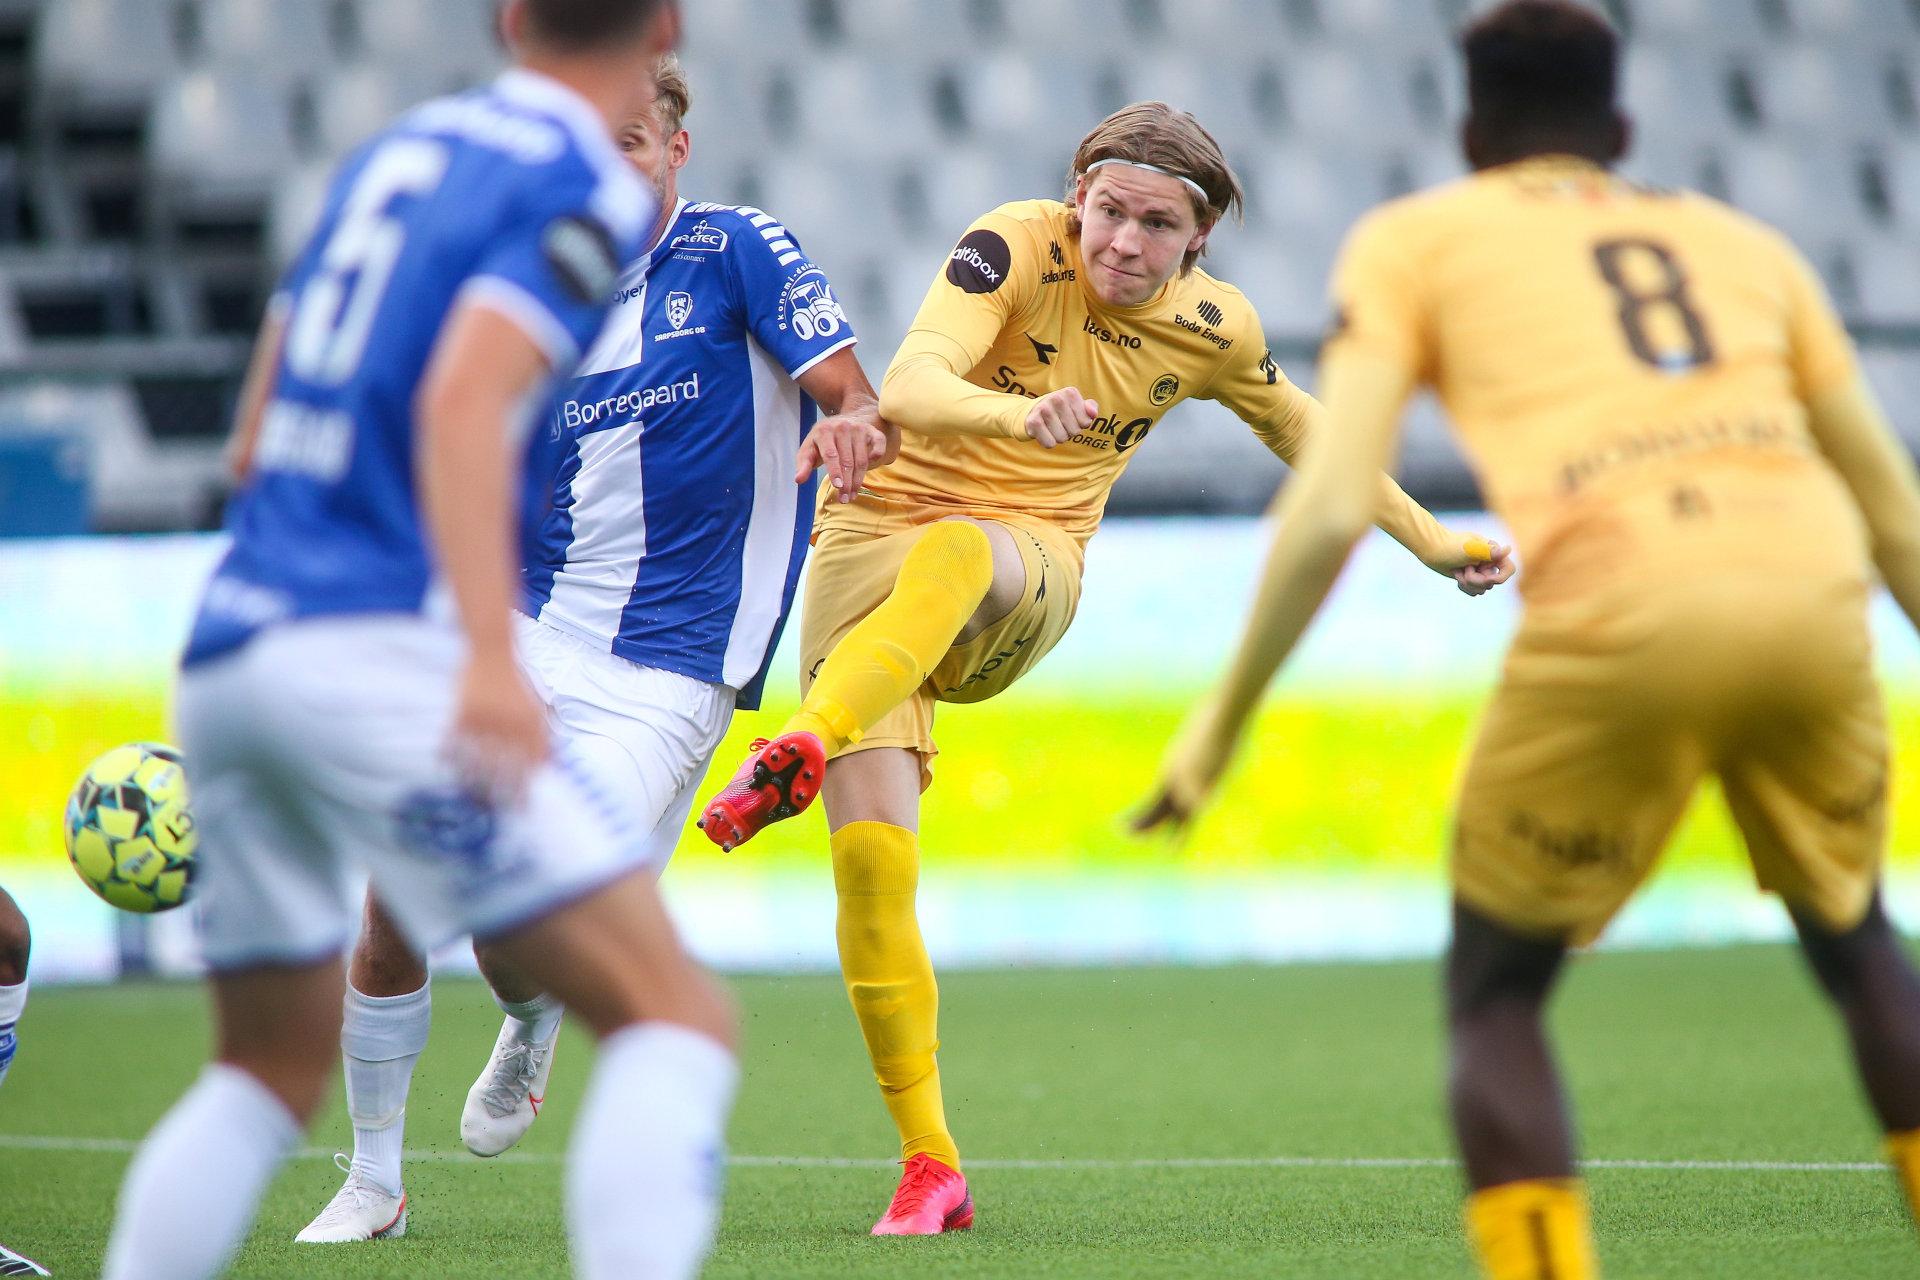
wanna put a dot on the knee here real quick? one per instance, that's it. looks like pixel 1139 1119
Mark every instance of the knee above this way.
pixel 958 552
pixel 16 940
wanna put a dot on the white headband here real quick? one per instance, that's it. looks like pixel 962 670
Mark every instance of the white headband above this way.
pixel 1205 200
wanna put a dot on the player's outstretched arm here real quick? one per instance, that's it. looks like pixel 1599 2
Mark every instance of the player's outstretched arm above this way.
pixel 482 369
pixel 1324 512
pixel 852 436
pixel 255 391
pixel 1851 430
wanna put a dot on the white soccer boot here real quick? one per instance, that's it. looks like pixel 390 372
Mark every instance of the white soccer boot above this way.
pixel 505 1100
pixel 360 1210
pixel 12 1264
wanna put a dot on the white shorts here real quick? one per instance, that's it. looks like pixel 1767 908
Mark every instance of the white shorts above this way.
pixel 648 735
pixel 315 752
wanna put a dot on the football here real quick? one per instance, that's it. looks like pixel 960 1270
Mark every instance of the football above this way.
pixel 130 830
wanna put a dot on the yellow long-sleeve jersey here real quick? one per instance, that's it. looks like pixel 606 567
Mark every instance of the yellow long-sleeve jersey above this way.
pixel 1010 318
pixel 1637 374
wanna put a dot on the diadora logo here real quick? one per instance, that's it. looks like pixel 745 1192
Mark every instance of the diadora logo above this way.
pixel 1044 352
pixel 1209 312
pixel 1126 340
pixel 679 307
pixel 701 237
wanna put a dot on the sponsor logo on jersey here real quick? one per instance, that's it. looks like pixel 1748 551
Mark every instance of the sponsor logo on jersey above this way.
pixel 1164 389
pixel 701 237
pixel 301 440
pixel 1209 312
pixel 575 414
pixel 628 294
pixel 582 254
pixel 1268 367
pixel 679 307
pixel 1044 352
pixel 1059 272
pixel 808 307
pixel 1126 340
pixel 1205 331
pixel 980 262
pixel 1108 432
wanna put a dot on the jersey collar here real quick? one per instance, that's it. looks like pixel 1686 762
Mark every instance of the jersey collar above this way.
pixel 659 247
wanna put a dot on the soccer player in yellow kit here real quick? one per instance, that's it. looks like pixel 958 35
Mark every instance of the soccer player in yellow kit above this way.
pixel 1053 341
pixel 1642 377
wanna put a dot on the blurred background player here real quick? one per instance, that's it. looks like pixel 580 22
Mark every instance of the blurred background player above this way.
pixel 349 695
pixel 1053 341
pixel 1666 411
pixel 15 941
pixel 660 579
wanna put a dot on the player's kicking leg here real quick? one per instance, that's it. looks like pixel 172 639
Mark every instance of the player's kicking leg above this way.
pixel 1871 980
pixel 1526 1211
pixel 15 942
pixel 388 1013
pixel 956 571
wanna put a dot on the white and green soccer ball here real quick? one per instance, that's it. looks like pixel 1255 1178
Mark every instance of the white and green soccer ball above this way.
pixel 130 832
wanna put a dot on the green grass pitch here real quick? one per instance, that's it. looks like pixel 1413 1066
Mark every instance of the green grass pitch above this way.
pixel 1078 1095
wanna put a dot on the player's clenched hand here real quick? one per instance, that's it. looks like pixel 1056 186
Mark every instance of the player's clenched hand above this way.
pixel 1478 566
pixel 845 447
pixel 499 734
pixel 1059 416
pixel 1193 766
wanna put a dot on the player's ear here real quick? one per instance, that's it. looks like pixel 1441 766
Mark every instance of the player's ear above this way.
pixel 513 23
pixel 1199 240
pixel 679 149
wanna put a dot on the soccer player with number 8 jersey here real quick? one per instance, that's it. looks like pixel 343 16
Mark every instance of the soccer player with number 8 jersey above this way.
pixel 1661 402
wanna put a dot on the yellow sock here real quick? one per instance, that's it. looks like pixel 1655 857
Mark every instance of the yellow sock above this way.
pixel 1903 1151
pixel 876 867
pixel 1536 1230
pixel 888 654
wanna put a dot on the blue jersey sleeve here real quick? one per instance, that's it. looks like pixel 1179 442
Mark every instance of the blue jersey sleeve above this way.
pixel 789 306
pixel 553 268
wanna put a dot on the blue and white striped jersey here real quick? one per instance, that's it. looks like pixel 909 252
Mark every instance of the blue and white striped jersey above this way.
pixel 512 195
pixel 676 532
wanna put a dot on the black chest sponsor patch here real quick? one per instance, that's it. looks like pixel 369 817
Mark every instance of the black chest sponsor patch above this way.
pixel 980 261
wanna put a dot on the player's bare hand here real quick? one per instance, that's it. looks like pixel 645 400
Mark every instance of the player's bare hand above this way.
pixel 1059 416
pixel 1478 565
pixel 844 447
pixel 499 734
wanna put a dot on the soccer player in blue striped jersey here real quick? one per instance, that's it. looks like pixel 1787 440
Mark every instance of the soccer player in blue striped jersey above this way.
pixel 350 694
pixel 680 492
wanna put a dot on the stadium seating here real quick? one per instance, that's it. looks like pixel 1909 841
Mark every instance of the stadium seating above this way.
pixel 189 141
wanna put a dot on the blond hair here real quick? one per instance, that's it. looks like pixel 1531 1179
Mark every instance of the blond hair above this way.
pixel 671 97
pixel 1153 133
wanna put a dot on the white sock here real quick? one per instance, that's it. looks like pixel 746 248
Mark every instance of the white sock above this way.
pixel 649 1154
pixel 13 1002
pixel 218 1148
pixel 380 1040
pixel 533 1021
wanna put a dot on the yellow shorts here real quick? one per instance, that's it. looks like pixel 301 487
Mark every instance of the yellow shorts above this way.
pixel 1610 713
pixel 852 569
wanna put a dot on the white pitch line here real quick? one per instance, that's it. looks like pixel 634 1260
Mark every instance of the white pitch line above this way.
pixel 126 1146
